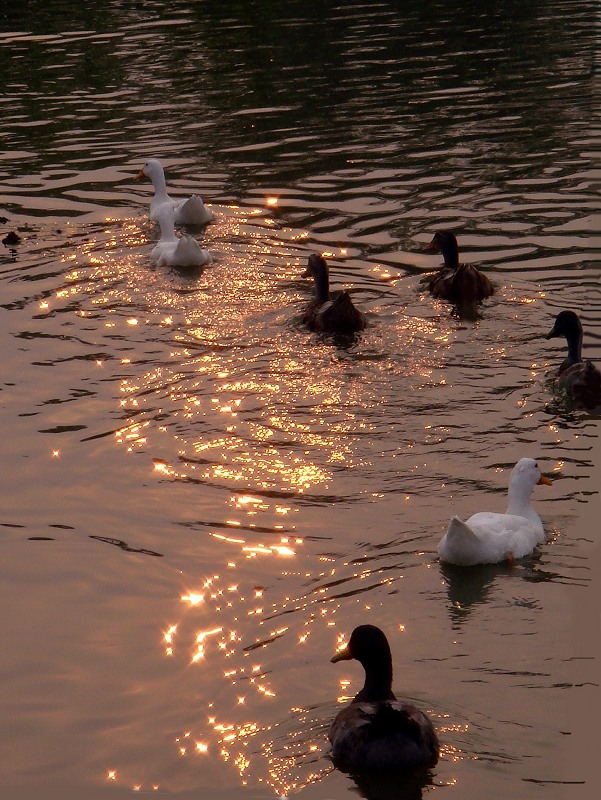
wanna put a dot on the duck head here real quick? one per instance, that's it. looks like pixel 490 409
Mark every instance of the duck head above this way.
pixel 528 471
pixel 524 477
pixel 445 242
pixel 567 323
pixel 369 646
pixel 152 169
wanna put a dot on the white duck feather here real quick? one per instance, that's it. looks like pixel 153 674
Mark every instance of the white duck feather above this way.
pixel 488 537
pixel 173 250
pixel 187 212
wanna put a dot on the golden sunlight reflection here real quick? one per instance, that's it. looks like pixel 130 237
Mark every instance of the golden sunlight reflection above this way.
pixel 230 402
pixel 247 744
pixel 238 626
pixel 239 631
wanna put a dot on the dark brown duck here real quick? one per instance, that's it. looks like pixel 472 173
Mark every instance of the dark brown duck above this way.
pixel 579 378
pixel 325 313
pixel 377 731
pixel 460 284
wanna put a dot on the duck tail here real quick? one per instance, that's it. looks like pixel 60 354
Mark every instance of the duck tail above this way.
pixel 457 544
pixel 587 387
pixel 468 285
pixel 193 212
pixel 458 529
pixel 343 316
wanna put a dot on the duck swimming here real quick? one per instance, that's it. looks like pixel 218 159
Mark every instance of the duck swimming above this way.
pixel 324 313
pixel 176 251
pixel 581 379
pixel 377 731
pixel 460 284
pixel 187 212
pixel 489 538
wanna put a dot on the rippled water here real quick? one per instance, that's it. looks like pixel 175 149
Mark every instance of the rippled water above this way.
pixel 200 498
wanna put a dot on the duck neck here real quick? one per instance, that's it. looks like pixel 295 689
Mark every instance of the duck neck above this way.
pixel 574 341
pixel 160 185
pixel 519 497
pixel 378 679
pixel 167 229
pixel 450 255
pixel 322 286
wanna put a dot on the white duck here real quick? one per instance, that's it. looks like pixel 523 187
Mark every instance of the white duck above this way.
pixel 187 212
pixel 176 251
pixel 488 538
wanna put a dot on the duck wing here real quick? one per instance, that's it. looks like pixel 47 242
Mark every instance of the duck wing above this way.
pixel 192 212
pixel 440 283
pixel 488 538
pixel 188 253
pixel 462 286
pixel 385 735
pixel 312 315
pixel 469 285
pixel 583 381
pixel 340 315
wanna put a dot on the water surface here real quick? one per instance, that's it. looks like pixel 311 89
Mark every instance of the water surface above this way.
pixel 200 498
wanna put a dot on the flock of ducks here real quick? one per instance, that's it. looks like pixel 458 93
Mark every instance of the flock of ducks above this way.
pixel 376 731
pixel 465 287
pixel 462 285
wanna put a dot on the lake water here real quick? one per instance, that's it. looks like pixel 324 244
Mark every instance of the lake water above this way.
pixel 200 499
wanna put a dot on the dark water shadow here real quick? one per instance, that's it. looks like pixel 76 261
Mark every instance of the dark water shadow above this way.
pixel 470 586
pixel 392 785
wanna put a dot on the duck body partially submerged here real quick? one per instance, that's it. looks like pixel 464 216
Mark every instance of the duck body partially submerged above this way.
pixel 460 284
pixel 580 378
pixel 490 538
pixel 177 251
pixel 326 313
pixel 377 732
pixel 191 211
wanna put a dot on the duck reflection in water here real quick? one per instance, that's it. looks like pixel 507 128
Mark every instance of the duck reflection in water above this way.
pixel 467 588
pixel 392 786
pixel 386 745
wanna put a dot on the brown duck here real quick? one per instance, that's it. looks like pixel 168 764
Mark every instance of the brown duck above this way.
pixel 579 378
pixel 460 284
pixel 377 731
pixel 326 313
